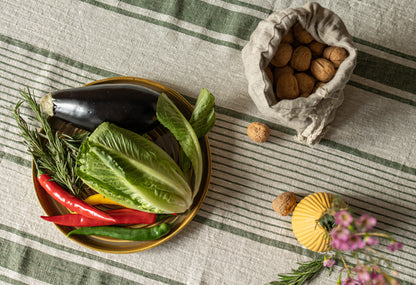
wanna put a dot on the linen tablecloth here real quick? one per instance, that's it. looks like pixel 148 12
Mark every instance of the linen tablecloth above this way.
pixel 368 156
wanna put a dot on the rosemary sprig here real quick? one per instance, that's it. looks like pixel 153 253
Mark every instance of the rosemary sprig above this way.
pixel 304 273
pixel 52 152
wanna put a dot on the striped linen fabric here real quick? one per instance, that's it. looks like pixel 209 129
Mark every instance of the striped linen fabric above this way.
pixel 368 156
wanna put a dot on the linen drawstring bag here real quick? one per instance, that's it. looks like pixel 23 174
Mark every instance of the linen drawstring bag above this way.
pixel 309 116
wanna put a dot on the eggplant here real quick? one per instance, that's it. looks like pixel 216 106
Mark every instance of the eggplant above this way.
pixel 129 106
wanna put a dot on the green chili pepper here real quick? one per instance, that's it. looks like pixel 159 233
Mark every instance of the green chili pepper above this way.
pixel 142 234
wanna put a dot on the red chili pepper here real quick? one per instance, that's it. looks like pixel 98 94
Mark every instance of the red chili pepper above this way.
pixel 121 216
pixel 70 201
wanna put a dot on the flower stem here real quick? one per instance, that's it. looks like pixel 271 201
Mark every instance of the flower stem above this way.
pixel 374 234
pixel 346 266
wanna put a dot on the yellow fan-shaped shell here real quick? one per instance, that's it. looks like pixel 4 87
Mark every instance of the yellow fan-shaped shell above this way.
pixel 305 224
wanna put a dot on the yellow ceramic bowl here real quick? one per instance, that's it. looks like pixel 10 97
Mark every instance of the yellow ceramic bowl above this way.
pixel 164 139
pixel 305 224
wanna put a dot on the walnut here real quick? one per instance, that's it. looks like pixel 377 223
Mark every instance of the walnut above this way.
pixel 279 71
pixel 302 35
pixel 336 55
pixel 288 38
pixel 317 48
pixel 287 86
pixel 258 132
pixel 322 69
pixel 269 73
pixel 284 204
pixel 282 55
pixel 305 83
pixel 301 59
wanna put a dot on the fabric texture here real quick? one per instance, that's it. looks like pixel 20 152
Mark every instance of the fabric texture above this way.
pixel 367 155
pixel 309 116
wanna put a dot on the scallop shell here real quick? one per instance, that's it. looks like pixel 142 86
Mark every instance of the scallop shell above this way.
pixel 305 224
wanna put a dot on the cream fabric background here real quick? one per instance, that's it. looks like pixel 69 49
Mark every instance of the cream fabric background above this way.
pixel 368 156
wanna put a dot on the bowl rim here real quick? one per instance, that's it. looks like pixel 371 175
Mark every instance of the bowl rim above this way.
pixel 190 214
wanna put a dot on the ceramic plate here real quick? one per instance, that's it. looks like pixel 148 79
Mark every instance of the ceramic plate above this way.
pixel 164 139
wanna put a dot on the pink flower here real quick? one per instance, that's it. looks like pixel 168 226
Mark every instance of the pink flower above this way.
pixel 329 262
pixel 393 246
pixel 378 279
pixel 370 241
pixel 342 239
pixel 355 242
pixel 339 244
pixel 340 233
pixel 349 281
pixel 343 218
pixel 339 238
pixel 363 274
pixel 365 223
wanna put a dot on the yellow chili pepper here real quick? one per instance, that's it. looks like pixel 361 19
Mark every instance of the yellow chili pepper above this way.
pixel 98 199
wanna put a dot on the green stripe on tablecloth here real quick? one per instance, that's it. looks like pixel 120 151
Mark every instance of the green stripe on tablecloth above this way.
pixel 75 64
pixel 224 168
pixel 334 145
pixel 43 264
pixel 27 163
pixel 278 222
pixel 325 142
pixel 355 39
pixel 381 249
pixel 368 156
pixel 305 173
pixel 16 76
pixel 386 72
pixel 9 107
pixel 229 112
pixel 44 63
pixel 59 261
pixel 303 154
pixel 328 143
pixel 16 159
pixel 201 14
pixel 261 239
pixel 294 248
pixel 5 79
pixel 48 259
pixel 162 24
pixel 257 192
pixel 248 5
pixel 218 19
pixel 274 150
pixel 384 49
pixel 382 93
pixel 11 281
pixel 276 218
pixel 56 56
pixel 50 72
pixel 237 205
pixel 276 173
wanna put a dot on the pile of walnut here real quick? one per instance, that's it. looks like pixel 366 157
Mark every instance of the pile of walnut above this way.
pixel 301 64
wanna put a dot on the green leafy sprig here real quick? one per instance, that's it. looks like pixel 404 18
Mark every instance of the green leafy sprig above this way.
pixel 52 152
pixel 304 273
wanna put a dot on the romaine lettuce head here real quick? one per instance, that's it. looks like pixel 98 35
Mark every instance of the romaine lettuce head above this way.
pixel 133 171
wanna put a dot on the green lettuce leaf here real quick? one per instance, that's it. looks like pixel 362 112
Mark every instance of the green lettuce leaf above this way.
pixel 203 116
pixel 172 118
pixel 132 171
pixel 202 121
